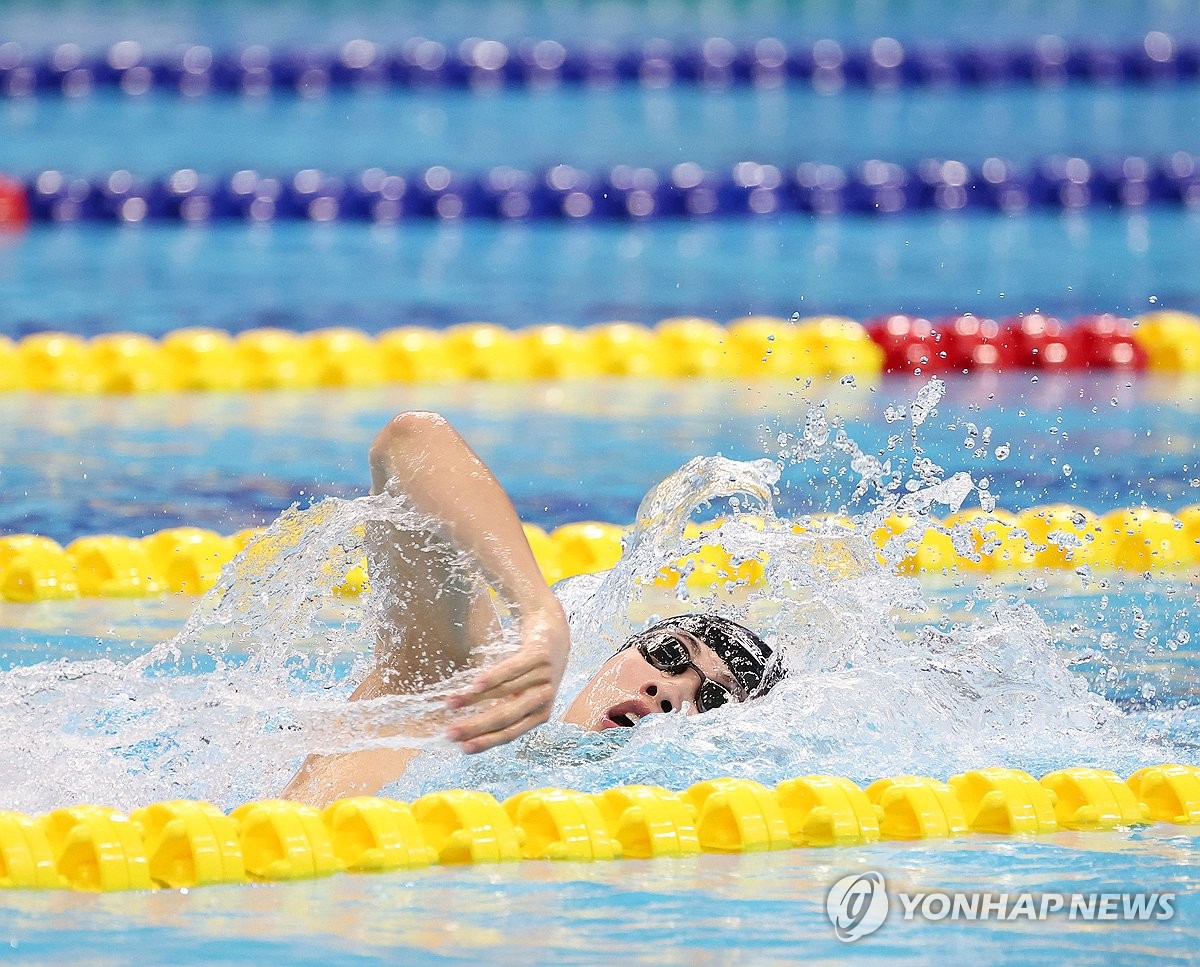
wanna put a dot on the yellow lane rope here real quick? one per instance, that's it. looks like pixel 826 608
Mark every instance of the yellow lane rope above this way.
pixel 184 844
pixel 755 346
pixel 188 560
pixel 211 359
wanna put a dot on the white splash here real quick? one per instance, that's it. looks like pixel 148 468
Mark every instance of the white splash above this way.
pixel 259 675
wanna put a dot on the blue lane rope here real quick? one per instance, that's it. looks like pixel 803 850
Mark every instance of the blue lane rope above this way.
pixel 489 64
pixel 621 193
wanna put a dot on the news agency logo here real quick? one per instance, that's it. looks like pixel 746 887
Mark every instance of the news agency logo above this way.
pixel 857 905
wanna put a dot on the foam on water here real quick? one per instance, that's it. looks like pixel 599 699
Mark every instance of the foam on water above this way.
pixel 260 674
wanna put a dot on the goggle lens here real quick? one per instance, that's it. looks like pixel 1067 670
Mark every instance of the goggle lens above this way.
pixel 711 695
pixel 666 654
pixel 670 655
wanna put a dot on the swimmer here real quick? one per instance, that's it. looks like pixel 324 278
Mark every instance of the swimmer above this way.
pixel 693 662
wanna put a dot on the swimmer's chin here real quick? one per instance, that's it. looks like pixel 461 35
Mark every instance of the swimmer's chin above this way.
pixel 566 743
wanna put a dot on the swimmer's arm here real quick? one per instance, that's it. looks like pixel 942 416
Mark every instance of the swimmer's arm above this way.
pixel 421 456
pixel 430 636
pixel 323 779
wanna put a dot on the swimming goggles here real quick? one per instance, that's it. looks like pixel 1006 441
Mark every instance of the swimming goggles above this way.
pixel 668 654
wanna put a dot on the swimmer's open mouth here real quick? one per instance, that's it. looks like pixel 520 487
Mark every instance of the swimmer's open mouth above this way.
pixel 625 716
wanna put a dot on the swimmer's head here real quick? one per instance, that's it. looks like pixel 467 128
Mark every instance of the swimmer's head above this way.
pixel 697 661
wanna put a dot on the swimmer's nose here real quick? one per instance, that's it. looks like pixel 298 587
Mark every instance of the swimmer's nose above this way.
pixel 667 696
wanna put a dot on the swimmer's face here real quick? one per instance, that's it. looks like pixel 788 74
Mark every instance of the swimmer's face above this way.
pixel 628 687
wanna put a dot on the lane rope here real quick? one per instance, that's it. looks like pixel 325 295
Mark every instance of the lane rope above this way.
pixel 206 359
pixel 184 844
pixel 189 560
pixel 485 65
pixel 622 193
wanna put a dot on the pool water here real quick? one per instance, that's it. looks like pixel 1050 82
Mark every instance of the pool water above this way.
pixel 1121 633
pixel 328 22
pixel 153 278
pixel 77 465
pixel 155 134
pixel 764 908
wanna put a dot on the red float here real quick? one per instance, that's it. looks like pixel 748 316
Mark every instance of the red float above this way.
pixel 973 343
pixel 970 343
pixel 1104 342
pixel 909 343
pixel 1036 341
pixel 14 205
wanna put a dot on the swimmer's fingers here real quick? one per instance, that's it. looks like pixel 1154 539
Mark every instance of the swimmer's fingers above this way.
pixel 512 676
pixel 505 722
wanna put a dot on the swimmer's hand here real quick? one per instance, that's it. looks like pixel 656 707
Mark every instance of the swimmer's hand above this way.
pixel 519 691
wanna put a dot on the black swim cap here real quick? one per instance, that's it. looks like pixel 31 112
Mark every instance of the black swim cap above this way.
pixel 753 664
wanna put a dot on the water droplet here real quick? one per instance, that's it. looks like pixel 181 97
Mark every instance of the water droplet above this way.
pixel 1033 379
pixel 848 381
pixel 927 398
pixel 795 317
pixel 1153 299
pixel 1066 469
pixel 1002 451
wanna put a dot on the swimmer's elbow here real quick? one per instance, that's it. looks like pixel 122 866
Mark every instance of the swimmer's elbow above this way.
pixel 410 425
pixel 409 432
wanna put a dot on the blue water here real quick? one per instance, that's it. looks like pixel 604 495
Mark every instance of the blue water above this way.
pixel 156 278
pixel 768 907
pixel 154 135
pixel 78 466
pixel 761 908
pixel 326 22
